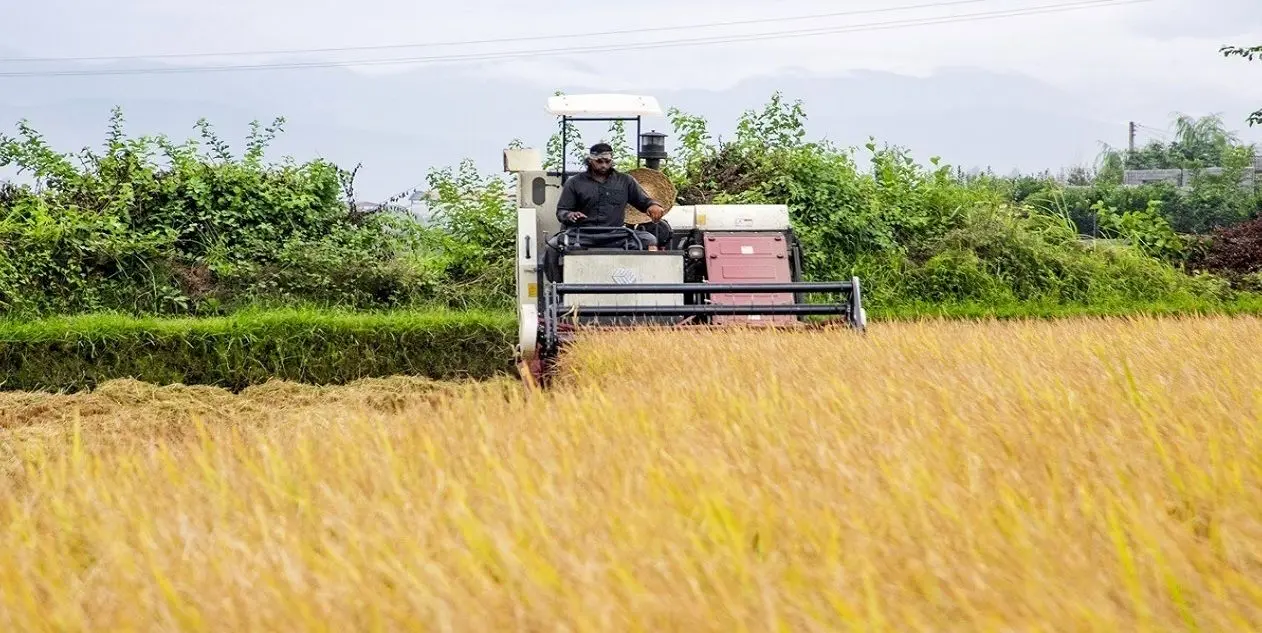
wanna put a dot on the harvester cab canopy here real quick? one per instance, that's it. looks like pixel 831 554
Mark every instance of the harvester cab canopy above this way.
pixel 609 108
pixel 604 105
pixel 719 265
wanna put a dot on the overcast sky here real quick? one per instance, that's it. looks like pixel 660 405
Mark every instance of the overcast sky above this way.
pixel 1143 60
pixel 1145 40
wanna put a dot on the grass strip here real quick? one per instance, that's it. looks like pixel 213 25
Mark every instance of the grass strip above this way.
pixel 318 347
pixel 234 352
pixel 1244 305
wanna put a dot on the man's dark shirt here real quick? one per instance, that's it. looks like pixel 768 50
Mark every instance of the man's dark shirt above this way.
pixel 604 203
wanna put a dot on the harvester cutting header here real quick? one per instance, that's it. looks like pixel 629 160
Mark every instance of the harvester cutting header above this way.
pixel 603 248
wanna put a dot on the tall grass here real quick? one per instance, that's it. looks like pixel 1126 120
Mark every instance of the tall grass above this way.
pixel 1067 475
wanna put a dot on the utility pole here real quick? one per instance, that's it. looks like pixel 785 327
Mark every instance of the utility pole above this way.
pixel 1131 142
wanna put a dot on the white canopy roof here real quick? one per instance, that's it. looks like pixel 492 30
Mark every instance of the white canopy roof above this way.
pixel 611 105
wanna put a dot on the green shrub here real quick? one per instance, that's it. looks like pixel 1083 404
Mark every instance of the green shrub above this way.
pixel 957 275
pixel 150 227
pixel 918 235
pixel 477 236
pixel 146 227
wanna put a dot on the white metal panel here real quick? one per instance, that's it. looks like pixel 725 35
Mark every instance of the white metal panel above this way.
pixel 719 217
pixel 682 218
pixel 604 105
pixel 545 212
pixel 527 330
pixel 528 252
pixel 748 217
pixel 526 159
pixel 625 268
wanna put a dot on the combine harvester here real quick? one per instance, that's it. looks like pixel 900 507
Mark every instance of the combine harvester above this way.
pixel 725 266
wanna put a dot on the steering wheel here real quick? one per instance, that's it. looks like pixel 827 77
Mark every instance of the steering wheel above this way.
pixel 601 231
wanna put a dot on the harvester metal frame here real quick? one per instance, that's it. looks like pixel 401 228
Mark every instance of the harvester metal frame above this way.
pixel 548 313
pixel 554 311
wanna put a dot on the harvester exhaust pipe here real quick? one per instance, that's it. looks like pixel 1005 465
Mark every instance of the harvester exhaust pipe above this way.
pixel 653 149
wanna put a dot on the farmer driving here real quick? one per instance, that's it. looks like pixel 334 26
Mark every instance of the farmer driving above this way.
pixel 598 198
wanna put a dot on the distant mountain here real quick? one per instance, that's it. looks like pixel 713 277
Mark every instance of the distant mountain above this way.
pixel 397 126
pixel 400 125
pixel 968 118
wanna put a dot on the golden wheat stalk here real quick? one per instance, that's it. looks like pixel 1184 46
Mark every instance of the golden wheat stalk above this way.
pixel 1076 475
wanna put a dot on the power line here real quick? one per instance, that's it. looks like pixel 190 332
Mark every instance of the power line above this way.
pixel 687 42
pixel 1154 130
pixel 506 40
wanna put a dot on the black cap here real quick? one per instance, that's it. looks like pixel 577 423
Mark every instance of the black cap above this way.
pixel 601 148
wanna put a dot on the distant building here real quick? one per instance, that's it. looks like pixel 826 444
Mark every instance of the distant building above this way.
pixel 1137 177
pixel 421 205
pixel 365 205
pixel 1185 177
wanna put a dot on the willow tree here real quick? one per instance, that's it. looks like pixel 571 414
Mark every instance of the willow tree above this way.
pixel 1250 53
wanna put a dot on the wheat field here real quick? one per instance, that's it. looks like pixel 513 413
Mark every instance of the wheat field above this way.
pixel 1077 475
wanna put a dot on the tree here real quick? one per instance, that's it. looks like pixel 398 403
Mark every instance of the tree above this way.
pixel 1202 141
pixel 1251 53
pixel 556 154
pixel 1199 142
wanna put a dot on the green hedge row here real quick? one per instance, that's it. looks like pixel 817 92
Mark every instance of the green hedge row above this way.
pixel 77 353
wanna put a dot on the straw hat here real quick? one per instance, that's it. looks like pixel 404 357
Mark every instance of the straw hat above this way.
pixel 659 188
